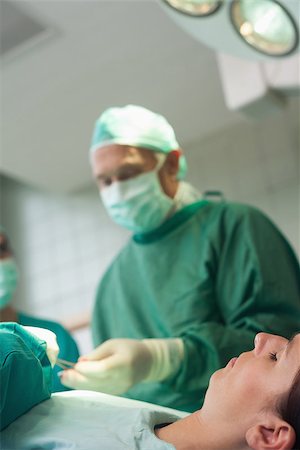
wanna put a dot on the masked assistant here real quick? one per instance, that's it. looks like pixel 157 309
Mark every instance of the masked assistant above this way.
pixel 138 127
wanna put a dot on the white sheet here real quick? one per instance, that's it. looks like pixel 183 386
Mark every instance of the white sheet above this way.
pixel 86 420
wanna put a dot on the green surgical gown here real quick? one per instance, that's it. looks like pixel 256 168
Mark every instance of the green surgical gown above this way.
pixel 25 372
pixel 68 349
pixel 214 275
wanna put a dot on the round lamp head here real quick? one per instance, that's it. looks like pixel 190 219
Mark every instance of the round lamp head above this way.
pixel 265 25
pixel 195 8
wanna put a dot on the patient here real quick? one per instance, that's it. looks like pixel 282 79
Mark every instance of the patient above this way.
pixel 254 402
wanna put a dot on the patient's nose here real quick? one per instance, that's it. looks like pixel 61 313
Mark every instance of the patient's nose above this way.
pixel 260 342
pixel 268 342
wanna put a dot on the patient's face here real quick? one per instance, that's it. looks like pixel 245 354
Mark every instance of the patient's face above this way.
pixel 253 381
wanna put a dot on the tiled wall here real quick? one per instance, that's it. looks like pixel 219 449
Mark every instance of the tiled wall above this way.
pixel 64 243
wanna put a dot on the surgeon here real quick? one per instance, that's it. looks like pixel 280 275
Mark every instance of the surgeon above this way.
pixel 195 282
pixel 8 283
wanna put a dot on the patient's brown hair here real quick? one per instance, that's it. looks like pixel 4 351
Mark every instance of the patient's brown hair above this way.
pixel 289 409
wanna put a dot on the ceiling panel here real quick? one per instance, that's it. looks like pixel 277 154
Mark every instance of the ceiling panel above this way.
pixel 100 54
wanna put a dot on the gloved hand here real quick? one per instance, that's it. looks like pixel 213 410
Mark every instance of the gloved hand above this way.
pixel 52 349
pixel 118 364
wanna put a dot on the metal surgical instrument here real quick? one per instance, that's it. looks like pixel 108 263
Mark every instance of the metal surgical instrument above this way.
pixel 64 364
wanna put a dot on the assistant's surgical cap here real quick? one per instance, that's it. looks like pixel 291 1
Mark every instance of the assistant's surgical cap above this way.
pixel 138 127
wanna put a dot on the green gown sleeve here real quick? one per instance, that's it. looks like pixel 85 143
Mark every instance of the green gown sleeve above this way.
pixel 256 282
pixel 25 372
pixel 68 349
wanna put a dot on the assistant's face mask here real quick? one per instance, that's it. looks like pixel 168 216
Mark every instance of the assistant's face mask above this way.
pixel 139 203
pixel 8 280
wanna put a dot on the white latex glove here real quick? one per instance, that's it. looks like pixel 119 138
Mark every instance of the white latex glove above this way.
pixel 118 364
pixel 52 349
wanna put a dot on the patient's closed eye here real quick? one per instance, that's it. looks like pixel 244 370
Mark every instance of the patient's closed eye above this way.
pixel 273 356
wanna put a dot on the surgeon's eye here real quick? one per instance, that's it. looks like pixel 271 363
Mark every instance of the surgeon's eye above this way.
pixel 273 356
pixel 129 172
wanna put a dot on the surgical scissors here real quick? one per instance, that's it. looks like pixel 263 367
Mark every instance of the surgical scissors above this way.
pixel 64 364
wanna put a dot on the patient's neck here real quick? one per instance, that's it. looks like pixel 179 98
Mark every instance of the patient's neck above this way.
pixel 195 433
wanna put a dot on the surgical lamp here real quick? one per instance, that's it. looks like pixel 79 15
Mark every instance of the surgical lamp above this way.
pixel 267 27
pixel 256 44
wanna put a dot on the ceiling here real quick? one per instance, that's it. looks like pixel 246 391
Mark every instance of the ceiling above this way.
pixel 85 57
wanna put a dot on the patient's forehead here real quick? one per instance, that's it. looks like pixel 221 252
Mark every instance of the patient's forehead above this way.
pixel 297 344
pixel 293 349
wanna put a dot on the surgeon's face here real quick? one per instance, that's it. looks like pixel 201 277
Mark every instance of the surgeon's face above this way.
pixel 120 162
pixel 254 380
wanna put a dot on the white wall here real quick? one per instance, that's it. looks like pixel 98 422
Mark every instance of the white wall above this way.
pixel 64 243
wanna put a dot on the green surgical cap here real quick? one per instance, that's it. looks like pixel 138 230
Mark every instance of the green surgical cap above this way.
pixel 138 127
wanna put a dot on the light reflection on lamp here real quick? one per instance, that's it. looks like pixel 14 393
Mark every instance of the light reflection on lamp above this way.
pixel 246 29
pixel 195 7
pixel 265 25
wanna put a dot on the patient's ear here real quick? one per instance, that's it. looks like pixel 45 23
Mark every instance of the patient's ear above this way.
pixel 273 434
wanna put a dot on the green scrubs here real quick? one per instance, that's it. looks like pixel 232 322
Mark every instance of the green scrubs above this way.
pixel 67 346
pixel 25 372
pixel 214 274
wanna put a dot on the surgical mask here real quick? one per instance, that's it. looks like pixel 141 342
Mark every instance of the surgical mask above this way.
pixel 8 280
pixel 139 203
